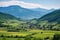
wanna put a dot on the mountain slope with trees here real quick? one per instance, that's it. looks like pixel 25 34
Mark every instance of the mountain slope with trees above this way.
pixel 24 13
pixel 50 21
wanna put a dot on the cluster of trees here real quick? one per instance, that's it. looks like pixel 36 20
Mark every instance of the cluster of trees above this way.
pixel 45 25
pixel 16 26
pixel 56 37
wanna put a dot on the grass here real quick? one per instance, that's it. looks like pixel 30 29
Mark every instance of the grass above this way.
pixel 11 38
pixel 39 33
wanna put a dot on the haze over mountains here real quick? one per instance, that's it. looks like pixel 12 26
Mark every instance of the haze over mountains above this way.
pixel 47 19
pixel 24 13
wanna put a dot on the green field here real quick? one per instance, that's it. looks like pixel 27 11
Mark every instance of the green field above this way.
pixel 41 34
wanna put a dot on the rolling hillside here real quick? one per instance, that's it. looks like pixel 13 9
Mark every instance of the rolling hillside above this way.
pixel 51 17
pixel 4 16
pixel 7 20
pixel 50 21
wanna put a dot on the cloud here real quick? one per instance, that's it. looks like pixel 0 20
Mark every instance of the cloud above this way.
pixel 22 4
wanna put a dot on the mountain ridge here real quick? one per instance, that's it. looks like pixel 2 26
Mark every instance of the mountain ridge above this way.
pixel 22 12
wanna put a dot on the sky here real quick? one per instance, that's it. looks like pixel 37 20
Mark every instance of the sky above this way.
pixel 47 4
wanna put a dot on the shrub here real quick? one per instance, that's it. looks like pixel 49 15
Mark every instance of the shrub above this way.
pixel 46 38
pixel 2 35
pixel 56 37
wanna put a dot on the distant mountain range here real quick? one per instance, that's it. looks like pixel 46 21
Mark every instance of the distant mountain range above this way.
pixel 24 13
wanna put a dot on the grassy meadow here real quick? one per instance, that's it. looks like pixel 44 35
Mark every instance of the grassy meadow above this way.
pixel 33 34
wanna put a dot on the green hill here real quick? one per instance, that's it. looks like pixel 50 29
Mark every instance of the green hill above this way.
pixel 6 20
pixel 50 21
pixel 11 23
pixel 51 17
pixel 4 16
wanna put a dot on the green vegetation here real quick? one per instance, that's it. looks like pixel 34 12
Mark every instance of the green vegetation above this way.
pixel 29 35
pixel 45 28
pixel 50 21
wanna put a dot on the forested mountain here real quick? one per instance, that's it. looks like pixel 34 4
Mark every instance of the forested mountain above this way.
pixel 24 13
pixel 19 12
pixel 50 21
pixel 52 17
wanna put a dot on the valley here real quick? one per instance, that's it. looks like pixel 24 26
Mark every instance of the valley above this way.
pixel 47 27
